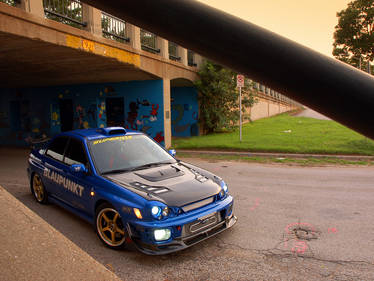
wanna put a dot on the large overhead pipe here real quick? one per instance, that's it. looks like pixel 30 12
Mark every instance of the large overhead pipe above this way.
pixel 335 89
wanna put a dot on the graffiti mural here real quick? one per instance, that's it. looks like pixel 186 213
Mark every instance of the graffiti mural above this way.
pixel 184 112
pixel 33 112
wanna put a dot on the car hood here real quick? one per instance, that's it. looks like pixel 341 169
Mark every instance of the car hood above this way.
pixel 176 184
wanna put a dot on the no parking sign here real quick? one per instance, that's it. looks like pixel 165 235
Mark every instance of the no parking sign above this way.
pixel 239 81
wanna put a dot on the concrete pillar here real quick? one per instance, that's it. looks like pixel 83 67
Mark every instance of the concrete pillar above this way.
pixel 167 112
pixel 198 60
pixel 133 32
pixel 92 17
pixel 163 45
pixel 32 6
pixel 182 52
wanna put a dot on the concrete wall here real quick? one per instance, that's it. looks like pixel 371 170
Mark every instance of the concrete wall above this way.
pixel 267 106
pixel 31 113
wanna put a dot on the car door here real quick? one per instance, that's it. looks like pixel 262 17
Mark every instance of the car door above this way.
pixel 54 168
pixel 77 186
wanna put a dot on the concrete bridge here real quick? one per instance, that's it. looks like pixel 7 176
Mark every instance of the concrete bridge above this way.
pixel 67 67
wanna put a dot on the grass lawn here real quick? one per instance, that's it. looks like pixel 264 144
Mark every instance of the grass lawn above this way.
pixel 285 133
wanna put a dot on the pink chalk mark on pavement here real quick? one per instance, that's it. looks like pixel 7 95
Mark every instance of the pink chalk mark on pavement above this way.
pixel 299 247
pixel 256 204
pixel 332 230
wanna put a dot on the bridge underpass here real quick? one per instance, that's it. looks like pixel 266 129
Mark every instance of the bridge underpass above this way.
pixel 56 77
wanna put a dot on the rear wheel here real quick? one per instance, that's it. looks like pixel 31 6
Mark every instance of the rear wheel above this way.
pixel 38 190
pixel 109 227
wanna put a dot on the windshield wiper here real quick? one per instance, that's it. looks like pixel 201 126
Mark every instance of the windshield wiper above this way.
pixel 116 171
pixel 154 164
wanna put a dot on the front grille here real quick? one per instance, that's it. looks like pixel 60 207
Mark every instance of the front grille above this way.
pixel 199 204
pixel 195 239
pixel 201 224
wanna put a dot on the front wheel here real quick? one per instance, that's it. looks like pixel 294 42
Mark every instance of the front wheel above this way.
pixel 109 227
pixel 38 190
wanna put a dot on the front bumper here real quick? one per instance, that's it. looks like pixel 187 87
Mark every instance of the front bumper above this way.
pixel 191 232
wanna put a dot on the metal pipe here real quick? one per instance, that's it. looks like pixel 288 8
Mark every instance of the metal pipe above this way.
pixel 327 85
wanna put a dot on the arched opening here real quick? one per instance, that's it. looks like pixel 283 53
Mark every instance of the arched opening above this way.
pixel 184 108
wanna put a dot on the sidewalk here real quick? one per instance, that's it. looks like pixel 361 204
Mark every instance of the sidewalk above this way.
pixel 277 155
pixel 31 249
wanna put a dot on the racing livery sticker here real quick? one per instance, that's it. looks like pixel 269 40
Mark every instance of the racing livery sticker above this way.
pixel 64 182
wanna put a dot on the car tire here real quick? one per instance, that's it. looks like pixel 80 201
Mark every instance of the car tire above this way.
pixel 38 190
pixel 109 227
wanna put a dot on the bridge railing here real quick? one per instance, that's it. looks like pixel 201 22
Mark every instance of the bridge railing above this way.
pixel 173 52
pixel 114 28
pixel 65 11
pixel 83 16
pixel 148 41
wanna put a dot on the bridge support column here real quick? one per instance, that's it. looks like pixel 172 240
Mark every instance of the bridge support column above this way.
pixel 92 17
pixel 32 6
pixel 167 112
pixel 133 32
pixel 163 44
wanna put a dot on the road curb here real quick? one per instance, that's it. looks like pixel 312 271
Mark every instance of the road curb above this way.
pixel 279 155
pixel 31 249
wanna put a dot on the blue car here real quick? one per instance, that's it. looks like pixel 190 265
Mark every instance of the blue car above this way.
pixel 131 189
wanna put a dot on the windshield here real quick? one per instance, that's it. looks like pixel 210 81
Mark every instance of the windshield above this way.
pixel 125 153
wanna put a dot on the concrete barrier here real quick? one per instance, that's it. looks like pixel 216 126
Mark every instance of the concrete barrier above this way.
pixel 31 249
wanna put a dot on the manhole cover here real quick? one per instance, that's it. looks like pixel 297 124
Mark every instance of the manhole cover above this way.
pixel 304 232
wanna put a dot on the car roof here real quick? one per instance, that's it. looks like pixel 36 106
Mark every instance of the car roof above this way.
pixel 99 133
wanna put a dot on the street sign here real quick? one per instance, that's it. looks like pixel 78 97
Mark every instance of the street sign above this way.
pixel 239 81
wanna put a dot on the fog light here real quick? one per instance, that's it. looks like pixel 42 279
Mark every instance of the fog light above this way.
pixel 162 234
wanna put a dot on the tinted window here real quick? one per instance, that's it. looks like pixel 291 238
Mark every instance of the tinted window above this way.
pixel 75 153
pixel 56 148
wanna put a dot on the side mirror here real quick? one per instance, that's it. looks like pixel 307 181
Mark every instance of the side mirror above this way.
pixel 172 152
pixel 78 169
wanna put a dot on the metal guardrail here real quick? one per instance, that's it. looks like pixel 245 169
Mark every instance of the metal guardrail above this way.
pixel 113 28
pixel 65 11
pixel 173 52
pixel 148 41
pixel 11 2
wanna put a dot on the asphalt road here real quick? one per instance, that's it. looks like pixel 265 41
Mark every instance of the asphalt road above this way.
pixel 295 223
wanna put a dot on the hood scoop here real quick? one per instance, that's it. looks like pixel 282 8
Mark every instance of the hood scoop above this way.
pixel 161 174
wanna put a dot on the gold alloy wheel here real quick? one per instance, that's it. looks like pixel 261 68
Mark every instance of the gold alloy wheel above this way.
pixel 109 227
pixel 38 188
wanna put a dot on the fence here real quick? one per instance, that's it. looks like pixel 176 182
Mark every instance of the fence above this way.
pixel 148 41
pixel 65 11
pixel 113 28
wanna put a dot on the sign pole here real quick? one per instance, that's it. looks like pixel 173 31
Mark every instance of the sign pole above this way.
pixel 240 83
pixel 240 114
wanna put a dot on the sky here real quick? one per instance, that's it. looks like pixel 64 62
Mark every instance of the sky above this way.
pixel 308 22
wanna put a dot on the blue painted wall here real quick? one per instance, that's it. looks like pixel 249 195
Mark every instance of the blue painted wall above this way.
pixel 31 113
pixel 184 112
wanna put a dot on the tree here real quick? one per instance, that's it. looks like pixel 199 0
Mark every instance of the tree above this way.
pixel 218 97
pixel 9 2
pixel 353 37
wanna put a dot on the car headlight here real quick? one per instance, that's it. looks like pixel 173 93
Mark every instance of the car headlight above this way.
pixel 159 212
pixel 224 187
pixel 162 234
pixel 156 211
